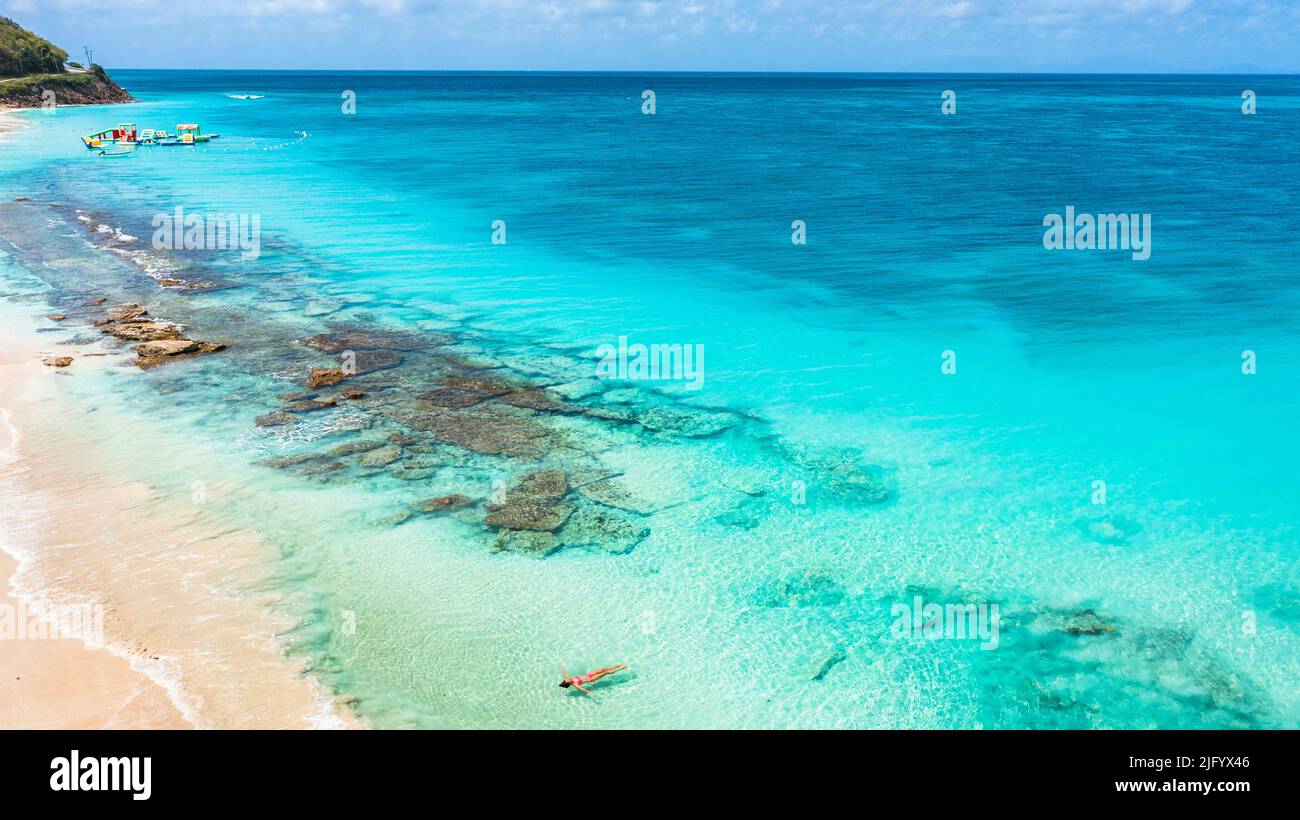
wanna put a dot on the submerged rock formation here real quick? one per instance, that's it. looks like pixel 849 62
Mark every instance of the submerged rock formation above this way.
pixel 151 354
pixel 162 340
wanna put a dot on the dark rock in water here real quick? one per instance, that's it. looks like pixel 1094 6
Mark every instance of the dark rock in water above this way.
pixel 310 405
pixel 324 468
pixel 529 514
pixel 612 414
pixel 465 389
pixel 580 475
pixel 298 396
pixel 380 456
pixel 354 394
pixel 276 419
pixel 351 448
pixel 293 461
pixel 458 397
pixel 143 331
pixel 401 439
pixel 121 313
pixel 411 471
pixel 58 317
pixel 344 337
pixel 691 424
pixel 61 361
pixel 540 400
pixel 807 588
pixel 602 528
pixel 489 431
pixel 827 662
pixel 1088 622
pixel 153 353
pixel 551 484
pixel 443 503
pixel 343 425
pixel 369 361
pixel 322 377
pixel 538 544
pixel 185 284
pixel 534 503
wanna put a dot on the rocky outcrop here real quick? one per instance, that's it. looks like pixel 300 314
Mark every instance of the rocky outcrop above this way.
pixel 490 431
pixel 603 529
pixel 93 87
pixel 151 354
pixel 443 503
pixel 276 419
pixel 310 405
pixel 324 377
pixel 162 340
pixel 139 330
pixel 356 338
pixel 537 544
pixel 534 503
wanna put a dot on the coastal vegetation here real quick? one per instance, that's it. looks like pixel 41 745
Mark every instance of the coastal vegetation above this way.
pixel 34 71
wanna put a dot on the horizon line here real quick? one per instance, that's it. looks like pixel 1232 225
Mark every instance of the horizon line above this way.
pixel 712 72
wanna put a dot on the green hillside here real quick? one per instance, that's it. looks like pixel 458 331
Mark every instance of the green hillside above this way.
pixel 32 74
pixel 23 53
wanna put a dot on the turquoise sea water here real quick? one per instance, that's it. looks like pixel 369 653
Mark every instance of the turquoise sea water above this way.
pixel 740 607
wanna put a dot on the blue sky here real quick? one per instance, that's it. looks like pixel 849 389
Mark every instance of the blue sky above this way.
pixel 684 35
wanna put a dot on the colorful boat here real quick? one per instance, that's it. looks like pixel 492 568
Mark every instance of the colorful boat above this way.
pixel 188 134
pixel 126 135
pixel 122 134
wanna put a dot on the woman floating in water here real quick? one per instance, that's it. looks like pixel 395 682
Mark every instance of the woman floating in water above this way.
pixel 591 677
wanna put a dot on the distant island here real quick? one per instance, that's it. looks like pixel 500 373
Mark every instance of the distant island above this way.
pixel 31 65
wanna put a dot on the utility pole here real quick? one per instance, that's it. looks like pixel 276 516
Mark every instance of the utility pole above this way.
pixel 90 60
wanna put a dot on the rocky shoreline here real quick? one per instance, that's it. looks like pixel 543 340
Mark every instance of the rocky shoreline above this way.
pixel 524 448
pixel 94 87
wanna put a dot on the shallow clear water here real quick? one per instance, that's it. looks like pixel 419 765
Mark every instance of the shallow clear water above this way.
pixel 740 607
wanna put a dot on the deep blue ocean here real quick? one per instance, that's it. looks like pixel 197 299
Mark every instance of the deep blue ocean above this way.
pixel 920 400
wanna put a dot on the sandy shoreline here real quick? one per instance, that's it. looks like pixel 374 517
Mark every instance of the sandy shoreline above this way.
pixel 60 683
pixel 9 121
pixel 178 654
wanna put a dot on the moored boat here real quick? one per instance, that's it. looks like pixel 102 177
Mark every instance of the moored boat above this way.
pixel 121 134
pixel 126 134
